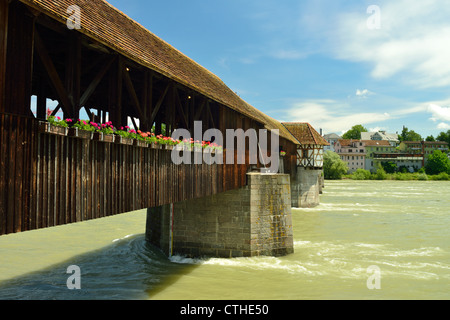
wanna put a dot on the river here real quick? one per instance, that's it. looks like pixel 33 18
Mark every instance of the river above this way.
pixel 400 227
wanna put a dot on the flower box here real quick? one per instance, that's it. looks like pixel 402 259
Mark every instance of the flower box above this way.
pixel 168 147
pixel 78 133
pixel 46 127
pixel 109 138
pixel 156 146
pixel 140 143
pixel 97 136
pixel 122 140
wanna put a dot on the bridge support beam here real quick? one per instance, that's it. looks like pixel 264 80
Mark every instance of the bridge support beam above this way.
pixel 306 188
pixel 252 221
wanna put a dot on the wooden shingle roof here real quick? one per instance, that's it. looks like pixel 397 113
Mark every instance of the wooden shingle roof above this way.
pixel 105 24
pixel 305 133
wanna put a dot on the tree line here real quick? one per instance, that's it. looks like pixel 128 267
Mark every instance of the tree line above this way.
pixel 406 135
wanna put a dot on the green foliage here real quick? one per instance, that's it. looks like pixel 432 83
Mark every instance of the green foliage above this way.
pixel 361 174
pixel 355 132
pixel 389 167
pixel 443 176
pixel 409 135
pixel 334 168
pixel 381 174
pixel 422 176
pixel 437 163
pixel 57 121
pixel 444 136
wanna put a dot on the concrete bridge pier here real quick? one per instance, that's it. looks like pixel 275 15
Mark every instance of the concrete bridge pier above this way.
pixel 251 221
pixel 306 188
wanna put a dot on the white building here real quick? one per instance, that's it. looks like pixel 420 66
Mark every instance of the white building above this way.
pixel 332 139
pixel 392 138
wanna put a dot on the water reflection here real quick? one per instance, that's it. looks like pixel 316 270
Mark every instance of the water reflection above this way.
pixel 128 269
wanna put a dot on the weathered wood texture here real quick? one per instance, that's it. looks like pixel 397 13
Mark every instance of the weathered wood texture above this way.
pixel 48 180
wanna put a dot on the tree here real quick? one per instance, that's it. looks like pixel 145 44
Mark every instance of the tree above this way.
pixel 437 162
pixel 333 167
pixel 389 167
pixel 430 138
pixel 409 135
pixel 444 136
pixel 355 132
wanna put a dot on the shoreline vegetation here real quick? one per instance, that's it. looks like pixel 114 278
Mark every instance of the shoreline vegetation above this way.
pixel 436 169
pixel 362 174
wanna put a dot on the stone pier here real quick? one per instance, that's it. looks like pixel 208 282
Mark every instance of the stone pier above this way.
pixel 252 221
pixel 306 188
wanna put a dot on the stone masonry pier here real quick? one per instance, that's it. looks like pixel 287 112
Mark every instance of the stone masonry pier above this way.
pixel 251 221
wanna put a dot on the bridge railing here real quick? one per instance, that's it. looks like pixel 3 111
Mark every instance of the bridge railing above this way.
pixel 49 179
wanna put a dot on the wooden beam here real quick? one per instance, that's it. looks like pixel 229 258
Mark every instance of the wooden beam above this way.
pixel 210 115
pixel 95 82
pixel 53 75
pixel 132 92
pixel 159 103
pixel 41 103
pixel 73 72
pixel 19 60
pixel 3 50
pixel 199 111
pixel 180 109
pixel 115 93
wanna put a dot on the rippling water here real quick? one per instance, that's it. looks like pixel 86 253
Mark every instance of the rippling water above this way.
pixel 399 226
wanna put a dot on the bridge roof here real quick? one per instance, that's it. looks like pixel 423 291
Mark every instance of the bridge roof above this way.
pixel 305 133
pixel 109 26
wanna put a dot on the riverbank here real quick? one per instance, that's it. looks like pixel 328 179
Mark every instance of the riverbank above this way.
pixel 361 174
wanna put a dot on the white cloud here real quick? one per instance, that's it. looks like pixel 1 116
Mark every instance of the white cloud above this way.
pixel 439 113
pixel 443 126
pixel 363 93
pixel 412 42
pixel 331 115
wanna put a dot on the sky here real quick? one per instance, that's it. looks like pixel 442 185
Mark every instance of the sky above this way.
pixel 333 63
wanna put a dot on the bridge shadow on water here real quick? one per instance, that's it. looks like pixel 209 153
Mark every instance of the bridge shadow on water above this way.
pixel 128 269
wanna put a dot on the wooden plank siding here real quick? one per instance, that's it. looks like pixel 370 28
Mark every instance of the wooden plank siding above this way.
pixel 49 180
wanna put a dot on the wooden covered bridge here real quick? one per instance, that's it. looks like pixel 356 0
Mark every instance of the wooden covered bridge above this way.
pixel 95 61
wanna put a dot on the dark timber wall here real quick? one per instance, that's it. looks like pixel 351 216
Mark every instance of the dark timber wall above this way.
pixel 48 180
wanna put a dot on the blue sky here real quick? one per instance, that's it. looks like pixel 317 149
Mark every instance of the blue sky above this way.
pixel 318 61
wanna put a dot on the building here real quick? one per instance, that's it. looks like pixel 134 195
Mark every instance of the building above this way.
pixel 410 161
pixel 311 144
pixel 373 148
pixel 353 152
pixel 332 139
pixel 310 148
pixel 392 138
pixel 360 154
pixel 425 148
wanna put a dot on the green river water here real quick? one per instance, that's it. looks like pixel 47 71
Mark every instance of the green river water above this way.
pixel 401 227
